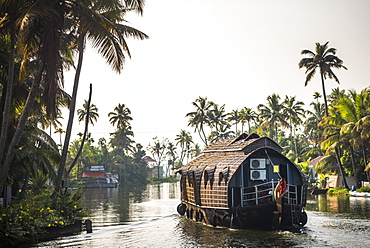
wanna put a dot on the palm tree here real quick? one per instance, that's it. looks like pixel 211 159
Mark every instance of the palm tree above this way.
pixel 158 150
pixel 294 112
pixel 60 131
pixel 234 116
pixel 200 117
pixel 324 58
pixel 93 113
pixel 316 96
pixel 121 139
pixel 184 139
pixel 120 117
pixel 355 112
pixel 334 141
pixel 312 127
pixel 222 132
pixel 335 95
pixel 247 115
pixel 272 115
pixel 89 116
pixel 37 30
pixel 99 23
pixel 171 153
pixel 217 117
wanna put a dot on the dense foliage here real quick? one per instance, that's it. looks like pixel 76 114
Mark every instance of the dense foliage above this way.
pixel 342 138
pixel 34 214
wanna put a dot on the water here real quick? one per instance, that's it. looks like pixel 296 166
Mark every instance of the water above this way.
pixel 146 217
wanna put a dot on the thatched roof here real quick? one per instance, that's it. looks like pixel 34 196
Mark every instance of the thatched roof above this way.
pixel 229 153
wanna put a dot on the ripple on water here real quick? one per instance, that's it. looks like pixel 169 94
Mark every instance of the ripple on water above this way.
pixel 151 221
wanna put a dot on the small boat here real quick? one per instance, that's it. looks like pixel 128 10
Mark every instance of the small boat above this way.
pixel 244 182
pixel 101 182
pixel 359 194
pixel 316 191
pixel 96 177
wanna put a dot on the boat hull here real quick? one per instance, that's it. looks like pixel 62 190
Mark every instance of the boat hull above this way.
pixel 263 216
pixel 359 194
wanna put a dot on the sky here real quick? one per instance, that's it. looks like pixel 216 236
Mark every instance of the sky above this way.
pixel 234 52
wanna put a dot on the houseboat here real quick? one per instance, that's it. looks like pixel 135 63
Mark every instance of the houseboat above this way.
pixel 95 177
pixel 244 182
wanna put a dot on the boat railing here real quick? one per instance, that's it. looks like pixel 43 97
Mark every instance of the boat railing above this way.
pixel 291 194
pixel 264 193
pixel 259 193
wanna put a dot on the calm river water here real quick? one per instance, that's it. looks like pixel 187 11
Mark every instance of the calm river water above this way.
pixel 147 217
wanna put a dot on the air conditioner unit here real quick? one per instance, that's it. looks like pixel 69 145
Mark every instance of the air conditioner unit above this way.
pixel 257 163
pixel 258 175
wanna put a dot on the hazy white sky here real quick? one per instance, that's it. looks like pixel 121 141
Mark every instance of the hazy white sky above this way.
pixel 234 52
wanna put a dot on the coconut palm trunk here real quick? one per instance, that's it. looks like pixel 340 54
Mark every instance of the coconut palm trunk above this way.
pixel 341 171
pixel 324 94
pixel 8 96
pixel 72 108
pixel 84 135
pixel 365 161
pixel 357 183
pixel 21 124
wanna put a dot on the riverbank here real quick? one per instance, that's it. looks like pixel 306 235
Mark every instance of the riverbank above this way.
pixel 345 191
pixel 133 217
pixel 170 179
pixel 41 216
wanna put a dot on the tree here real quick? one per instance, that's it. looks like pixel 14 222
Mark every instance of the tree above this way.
pixel 60 131
pixel 333 141
pixel 200 117
pixel 247 115
pixel 184 139
pixel 121 139
pixel 89 117
pixel 158 151
pixel 294 112
pixel 217 117
pixel 312 129
pixel 93 113
pixel 323 59
pixel 222 132
pixel 121 116
pixel 38 27
pixel 355 112
pixel 99 23
pixel 234 116
pixel 171 153
pixel 272 115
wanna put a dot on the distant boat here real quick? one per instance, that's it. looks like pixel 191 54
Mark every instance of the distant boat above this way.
pixel 243 182
pixel 317 191
pixel 96 177
pixel 359 194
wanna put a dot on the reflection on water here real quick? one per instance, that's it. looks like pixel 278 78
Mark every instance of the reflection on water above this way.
pixel 112 206
pixel 358 206
pixel 146 217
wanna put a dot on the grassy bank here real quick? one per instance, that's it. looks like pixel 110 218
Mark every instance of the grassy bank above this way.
pixel 170 179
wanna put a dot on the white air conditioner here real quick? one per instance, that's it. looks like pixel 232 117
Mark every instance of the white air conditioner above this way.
pixel 257 163
pixel 258 175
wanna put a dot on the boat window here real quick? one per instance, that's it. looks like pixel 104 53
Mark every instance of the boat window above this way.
pixel 206 178
pixel 226 174
pixel 220 177
pixel 190 178
pixel 211 174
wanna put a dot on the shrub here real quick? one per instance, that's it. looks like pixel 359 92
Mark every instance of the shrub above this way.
pixel 33 215
pixel 338 191
pixel 364 189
